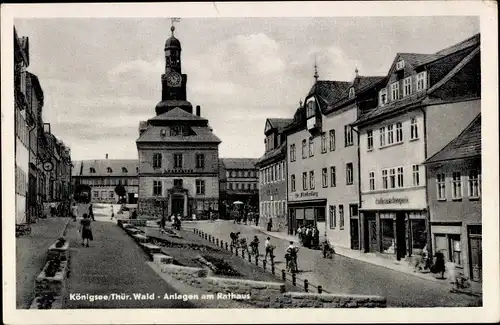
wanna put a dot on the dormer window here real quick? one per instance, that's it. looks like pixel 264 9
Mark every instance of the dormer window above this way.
pixel 92 170
pixel 382 97
pixel 110 170
pixel 351 92
pixel 124 170
pixel 395 91
pixel 400 65
pixel 421 81
pixel 311 108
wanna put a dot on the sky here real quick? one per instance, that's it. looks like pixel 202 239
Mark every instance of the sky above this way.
pixel 101 76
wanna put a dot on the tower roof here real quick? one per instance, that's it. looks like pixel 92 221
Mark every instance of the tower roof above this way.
pixel 172 41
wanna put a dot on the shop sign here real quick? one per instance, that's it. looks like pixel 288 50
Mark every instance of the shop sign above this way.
pixel 306 194
pixel 272 192
pixel 392 200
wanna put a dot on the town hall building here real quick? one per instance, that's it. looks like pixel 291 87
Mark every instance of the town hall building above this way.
pixel 178 152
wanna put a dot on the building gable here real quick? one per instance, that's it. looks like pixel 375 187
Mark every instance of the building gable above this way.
pixel 268 127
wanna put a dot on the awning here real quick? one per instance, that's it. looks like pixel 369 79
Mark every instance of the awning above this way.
pixel 307 203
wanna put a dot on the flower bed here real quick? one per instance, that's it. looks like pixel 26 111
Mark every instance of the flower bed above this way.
pixel 52 278
pixel 47 301
pixel 162 242
pixel 219 266
pixel 59 250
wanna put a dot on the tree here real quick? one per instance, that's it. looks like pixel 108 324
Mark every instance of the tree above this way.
pixel 120 191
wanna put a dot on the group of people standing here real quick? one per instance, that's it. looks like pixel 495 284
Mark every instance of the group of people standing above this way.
pixel 308 236
pixel 175 219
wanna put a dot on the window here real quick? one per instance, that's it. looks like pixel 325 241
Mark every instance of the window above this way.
pixel 392 177
pixel 124 170
pixel 413 129
pixel 178 182
pixel 157 188
pixel 324 177
pixel 400 64
pixel 341 216
pixel 323 142
pixel 92 170
pixel 369 138
pixel 292 183
pixel 384 179
pixel 104 194
pixel 382 97
pixel 421 81
pixel 332 140
pixel 311 108
pixel 233 173
pixel 333 177
pixel 200 160
pixel 177 160
pixel 157 160
pixel 230 186
pixel 399 132
pixel 333 217
pixel 304 181
pixel 348 135
pixel 456 249
pixel 279 172
pixel 292 152
pixel 111 194
pixel 237 186
pixel 283 171
pixel 416 175
pixel 382 136
pixel 125 182
pixel 109 170
pixel 349 177
pixel 371 177
pixel 395 91
pixel 390 134
pixel 95 194
pixel 311 180
pixel 311 147
pixel 304 149
pixel 407 87
pixel 200 187
pixel 400 177
pixel 457 185
pixel 474 184
pixel 351 92
pixel 441 186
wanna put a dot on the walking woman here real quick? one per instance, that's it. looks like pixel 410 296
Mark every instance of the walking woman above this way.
pixel 86 230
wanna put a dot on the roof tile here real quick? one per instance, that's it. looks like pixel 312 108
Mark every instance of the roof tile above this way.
pixel 202 134
pixel 239 163
pixel 101 167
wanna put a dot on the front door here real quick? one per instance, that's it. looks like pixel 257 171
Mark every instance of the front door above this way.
pixel 476 255
pixel 178 205
pixel 401 234
pixel 372 234
pixel 354 234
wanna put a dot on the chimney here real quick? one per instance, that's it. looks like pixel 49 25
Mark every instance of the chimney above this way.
pixel 106 156
pixel 198 110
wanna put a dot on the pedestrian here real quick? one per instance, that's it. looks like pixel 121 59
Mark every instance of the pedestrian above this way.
pixel 86 230
pixel 308 236
pixel 255 246
pixel 268 248
pixel 257 216
pixel 74 211
pixel 91 212
pixel 53 209
pixel 299 234
pixel 172 218
pixel 163 221
pixel 270 224
pixel 315 237
pixel 439 265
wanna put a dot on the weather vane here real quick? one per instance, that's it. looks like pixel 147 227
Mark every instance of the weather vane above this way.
pixel 174 20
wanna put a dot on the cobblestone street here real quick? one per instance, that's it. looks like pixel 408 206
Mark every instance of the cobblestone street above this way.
pixel 346 275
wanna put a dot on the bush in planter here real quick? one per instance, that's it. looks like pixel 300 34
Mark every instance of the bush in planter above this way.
pixel 45 301
pixel 60 242
pixel 53 267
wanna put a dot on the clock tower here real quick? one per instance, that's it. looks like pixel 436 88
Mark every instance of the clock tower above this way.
pixel 173 81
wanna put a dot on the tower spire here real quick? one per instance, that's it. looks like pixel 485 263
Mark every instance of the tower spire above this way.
pixel 356 72
pixel 316 76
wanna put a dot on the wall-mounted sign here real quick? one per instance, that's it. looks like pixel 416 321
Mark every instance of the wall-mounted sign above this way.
pixel 306 194
pixel 392 200
pixel 272 192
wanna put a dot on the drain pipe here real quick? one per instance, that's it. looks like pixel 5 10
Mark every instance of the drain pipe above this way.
pixel 428 216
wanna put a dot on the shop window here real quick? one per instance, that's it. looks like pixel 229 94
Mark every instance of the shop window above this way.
pixel 418 235
pixel 388 236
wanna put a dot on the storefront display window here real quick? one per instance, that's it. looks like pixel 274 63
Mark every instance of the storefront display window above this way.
pixel 388 236
pixel 418 236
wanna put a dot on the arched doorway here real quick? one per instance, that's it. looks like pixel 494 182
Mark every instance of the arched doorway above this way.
pixel 178 201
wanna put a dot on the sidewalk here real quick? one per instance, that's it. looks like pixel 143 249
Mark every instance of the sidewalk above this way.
pixel 31 253
pixel 401 266
pixel 113 264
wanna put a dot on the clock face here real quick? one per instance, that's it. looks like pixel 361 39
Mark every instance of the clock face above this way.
pixel 174 79
pixel 47 166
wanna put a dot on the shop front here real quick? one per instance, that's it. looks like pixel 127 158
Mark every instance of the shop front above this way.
pixel 395 226
pixel 310 212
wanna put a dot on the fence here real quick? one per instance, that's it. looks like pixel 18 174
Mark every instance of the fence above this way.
pixel 282 273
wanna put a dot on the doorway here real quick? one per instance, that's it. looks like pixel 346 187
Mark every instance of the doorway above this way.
pixel 354 234
pixel 370 233
pixel 476 255
pixel 401 235
pixel 178 205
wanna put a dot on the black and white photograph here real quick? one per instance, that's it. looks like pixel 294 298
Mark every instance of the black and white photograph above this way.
pixel 175 162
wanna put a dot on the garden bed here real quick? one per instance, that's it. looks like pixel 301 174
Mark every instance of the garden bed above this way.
pixel 52 278
pixel 219 266
pixel 47 301
pixel 162 242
